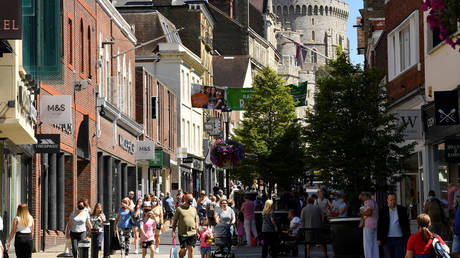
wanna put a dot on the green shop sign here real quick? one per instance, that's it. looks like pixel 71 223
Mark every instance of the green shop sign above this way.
pixel 299 93
pixel 158 161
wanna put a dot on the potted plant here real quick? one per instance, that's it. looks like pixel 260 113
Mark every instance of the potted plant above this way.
pixel 354 141
pixel 226 154
pixel 444 16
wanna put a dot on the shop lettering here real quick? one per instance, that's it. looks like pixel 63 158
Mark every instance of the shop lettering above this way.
pixel 126 144
pixel 144 148
pixel 8 25
pixel 56 107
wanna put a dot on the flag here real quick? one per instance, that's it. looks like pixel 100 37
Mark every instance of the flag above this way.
pixel 299 55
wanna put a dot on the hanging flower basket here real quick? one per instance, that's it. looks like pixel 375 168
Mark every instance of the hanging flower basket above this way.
pixel 444 15
pixel 226 154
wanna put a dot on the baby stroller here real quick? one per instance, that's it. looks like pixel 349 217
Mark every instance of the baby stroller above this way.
pixel 223 241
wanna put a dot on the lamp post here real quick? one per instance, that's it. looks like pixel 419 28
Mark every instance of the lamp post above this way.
pixel 226 112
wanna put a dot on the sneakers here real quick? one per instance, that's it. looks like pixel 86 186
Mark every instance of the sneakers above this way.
pixel 136 251
pixel 157 250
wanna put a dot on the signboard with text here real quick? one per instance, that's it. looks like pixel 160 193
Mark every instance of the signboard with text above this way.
pixel 158 161
pixel 11 19
pixel 412 119
pixel 446 107
pixel 209 97
pixel 145 150
pixel 237 96
pixel 452 150
pixel 56 109
pixel 48 143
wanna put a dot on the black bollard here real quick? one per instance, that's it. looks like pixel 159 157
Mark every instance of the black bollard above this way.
pixel 94 243
pixel 112 227
pixel 107 236
pixel 83 249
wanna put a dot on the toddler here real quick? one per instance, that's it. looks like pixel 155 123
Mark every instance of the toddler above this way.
pixel 206 238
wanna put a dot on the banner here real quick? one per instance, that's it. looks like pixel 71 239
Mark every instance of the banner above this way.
pixel 412 118
pixel 181 152
pixel 237 96
pixel 209 97
pixel 299 93
pixel 56 109
pixel 446 107
pixel 11 19
pixel 48 143
pixel 158 160
pixel 145 150
pixel 452 150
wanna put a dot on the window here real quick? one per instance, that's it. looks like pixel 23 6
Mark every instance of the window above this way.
pixel 403 46
pixel 89 51
pixel 315 12
pixel 314 56
pixel 70 40
pixel 82 48
pixel 313 35
pixel 312 21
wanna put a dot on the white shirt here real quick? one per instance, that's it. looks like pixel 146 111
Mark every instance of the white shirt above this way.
pixel 79 221
pixel 24 229
pixel 294 225
pixel 1 223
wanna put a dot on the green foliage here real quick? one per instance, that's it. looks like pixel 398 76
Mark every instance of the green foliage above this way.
pixel 268 129
pixel 351 137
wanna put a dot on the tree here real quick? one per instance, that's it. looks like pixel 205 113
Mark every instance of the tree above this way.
pixel 268 126
pixel 352 138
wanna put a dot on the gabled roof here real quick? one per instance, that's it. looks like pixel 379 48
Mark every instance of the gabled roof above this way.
pixel 230 70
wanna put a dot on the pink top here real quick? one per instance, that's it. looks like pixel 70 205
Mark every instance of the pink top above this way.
pixel 203 234
pixel 148 225
pixel 371 221
pixel 248 210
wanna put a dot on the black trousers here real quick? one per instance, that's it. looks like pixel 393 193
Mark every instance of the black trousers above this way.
pixel 75 237
pixel 23 245
pixel 270 240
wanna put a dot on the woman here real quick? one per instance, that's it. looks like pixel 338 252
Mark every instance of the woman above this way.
pixel 79 224
pixel 97 221
pixel 1 231
pixel 269 230
pixel 370 214
pixel 224 213
pixel 87 206
pixel 123 224
pixel 147 227
pixel 22 231
pixel 158 217
pixel 419 244
pixel 136 219
pixel 147 201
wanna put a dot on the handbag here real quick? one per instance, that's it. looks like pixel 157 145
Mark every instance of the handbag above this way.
pixel 173 251
pixel 158 226
pixel 115 241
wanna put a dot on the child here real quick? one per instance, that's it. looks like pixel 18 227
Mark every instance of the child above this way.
pixel 240 228
pixel 147 227
pixel 205 238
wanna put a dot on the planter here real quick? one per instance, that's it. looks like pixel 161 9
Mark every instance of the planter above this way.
pixel 347 238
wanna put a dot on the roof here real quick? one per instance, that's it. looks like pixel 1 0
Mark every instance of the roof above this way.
pixel 258 4
pixel 132 3
pixel 230 70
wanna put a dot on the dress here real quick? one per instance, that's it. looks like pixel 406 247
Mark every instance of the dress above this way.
pixel 371 249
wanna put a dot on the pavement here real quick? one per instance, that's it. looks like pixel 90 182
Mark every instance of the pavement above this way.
pixel 166 245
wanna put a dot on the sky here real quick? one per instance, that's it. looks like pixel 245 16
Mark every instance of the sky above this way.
pixel 354 6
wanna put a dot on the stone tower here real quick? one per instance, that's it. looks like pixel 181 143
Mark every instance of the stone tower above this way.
pixel 318 24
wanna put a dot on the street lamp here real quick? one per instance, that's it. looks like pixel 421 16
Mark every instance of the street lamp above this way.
pixel 226 112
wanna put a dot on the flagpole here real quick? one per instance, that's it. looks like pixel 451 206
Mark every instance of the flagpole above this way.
pixel 312 50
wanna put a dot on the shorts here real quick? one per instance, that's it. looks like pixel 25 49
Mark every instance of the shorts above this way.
pixel 205 250
pixel 187 241
pixel 455 245
pixel 147 244
pixel 169 215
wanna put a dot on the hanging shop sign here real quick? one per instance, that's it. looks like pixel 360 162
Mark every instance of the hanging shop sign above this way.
pixel 299 93
pixel 145 150
pixel 237 96
pixel 446 107
pixel 187 160
pixel 158 160
pixel 11 19
pixel 181 152
pixel 213 126
pixel 209 97
pixel 56 109
pixel 452 150
pixel 126 144
pixel 197 164
pixel 412 119
pixel 48 143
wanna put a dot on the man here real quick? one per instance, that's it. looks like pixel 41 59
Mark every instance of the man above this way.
pixel 339 207
pixel 311 218
pixel 294 223
pixel 370 213
pixel 203 203
pixel 293 202
pixel 249 219
pixel 131 197
pixel 185 219
pixel 434 208
pixel 221 194
pixel 168 205
pixel 393 229
pixel 210 210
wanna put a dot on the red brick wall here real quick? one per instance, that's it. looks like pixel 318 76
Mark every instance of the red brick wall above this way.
pixel 395 13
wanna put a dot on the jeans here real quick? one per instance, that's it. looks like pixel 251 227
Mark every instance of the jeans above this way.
pixel 75 237
pixel 371 249
pixel 250 225
pixel 125 235
pixel 270 240
pixel 393 248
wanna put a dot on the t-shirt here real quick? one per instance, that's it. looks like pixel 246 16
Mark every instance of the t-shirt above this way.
pixel 322 204
pixel 125 218
pixel 338 206
pixel 96 222
pixel 79 221
pixel 225 216
pixel 168 203
pixel 186 221
pixel 294 225
pixel 203 233
pixel 203 204
pixel 248 210
pixel 418 246
pixel 158 213
pixel 371 221
pixel 148 225
pixel 311 216
pixel 267 225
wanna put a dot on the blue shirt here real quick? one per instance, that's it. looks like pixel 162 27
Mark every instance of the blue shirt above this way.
pixel 124 221
pixel 395 229
pixel 168 204
pixel 457 221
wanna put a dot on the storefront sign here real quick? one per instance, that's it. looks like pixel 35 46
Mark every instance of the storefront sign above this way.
pixel 446 107
pixel 237 96
pixel 181 152
pixel 187 160
pixel 213 126
pixel 48 143
pixel 126 144
pixel 197 164
pixel 452 150
pixel 158 161
pixel 11 19
pixel 411 118
pixel 56 109
pixel 145 150
pixel 209 97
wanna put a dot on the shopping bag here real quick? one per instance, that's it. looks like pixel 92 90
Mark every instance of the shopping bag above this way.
pixel 173 253
pixel 115 241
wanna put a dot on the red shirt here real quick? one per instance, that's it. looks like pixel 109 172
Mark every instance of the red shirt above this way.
pixel 418 246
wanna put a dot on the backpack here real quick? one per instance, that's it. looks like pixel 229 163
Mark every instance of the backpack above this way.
pixel 438 249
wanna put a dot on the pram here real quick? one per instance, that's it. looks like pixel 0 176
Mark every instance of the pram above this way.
pixel 223 241
pixel 288 244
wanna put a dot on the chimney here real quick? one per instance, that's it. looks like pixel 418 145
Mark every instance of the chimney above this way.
pixel 242 12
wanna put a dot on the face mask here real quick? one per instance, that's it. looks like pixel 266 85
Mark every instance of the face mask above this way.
pixel 81 207
pixel 190 202
pixel 154 203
